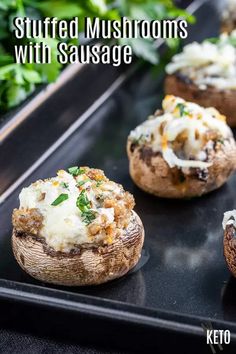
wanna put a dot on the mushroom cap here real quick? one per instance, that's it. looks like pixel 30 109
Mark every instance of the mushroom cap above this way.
pixel 151 173
pixel 86 265
pixel 223 100
pixel 230 248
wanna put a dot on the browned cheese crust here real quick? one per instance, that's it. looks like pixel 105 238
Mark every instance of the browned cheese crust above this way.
pixel 84 266
pixel 151 172
pixel 223 100
pixel 230 248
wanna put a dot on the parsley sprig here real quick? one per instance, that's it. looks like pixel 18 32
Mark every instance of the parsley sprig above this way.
pixel 99 183
pixel 88 217
pixel 62 197
pixel 182 109
pixel 81 183
pixel 84 206
pixel 76 171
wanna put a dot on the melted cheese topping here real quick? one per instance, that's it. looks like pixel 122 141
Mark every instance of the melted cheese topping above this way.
pixel 64 224
pixel 208 64
pixel 229 218
pixel 183 132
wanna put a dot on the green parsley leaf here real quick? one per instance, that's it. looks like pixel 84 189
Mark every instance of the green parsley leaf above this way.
pixel 65 185
pixel 62 197
pixel 81 183
pixel 98 6
pixel 75 171
pixel 31 76
pixel 142 48
pixel 62 9
pixel 98 184
pixel 88 216
pixel 49 71
pixel 83 202
pixel 84 206
pixel 213 40
pixel 182 109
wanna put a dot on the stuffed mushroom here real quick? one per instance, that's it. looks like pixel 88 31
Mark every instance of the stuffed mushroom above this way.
pixel 205 73
pixel 228 21
pixel 229 243
pixel 77 228
pixel 182 151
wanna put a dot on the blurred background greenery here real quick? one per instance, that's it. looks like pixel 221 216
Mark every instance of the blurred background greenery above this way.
pixel 18 81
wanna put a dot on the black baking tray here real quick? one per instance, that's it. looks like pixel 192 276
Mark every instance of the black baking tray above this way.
pixel 181 281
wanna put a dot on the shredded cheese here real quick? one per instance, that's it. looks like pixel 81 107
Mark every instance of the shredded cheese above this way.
pixel 182 132
pixel 208 64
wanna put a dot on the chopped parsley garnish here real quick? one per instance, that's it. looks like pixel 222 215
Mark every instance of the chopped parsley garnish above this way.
pixel 182 109
pixel 83 202
pixel 81 183
pixel 88 216
pixel 62 197
pixel 98 184
pixel 213 40
pixel 84 206
pixel 75 171
pixel 65 185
